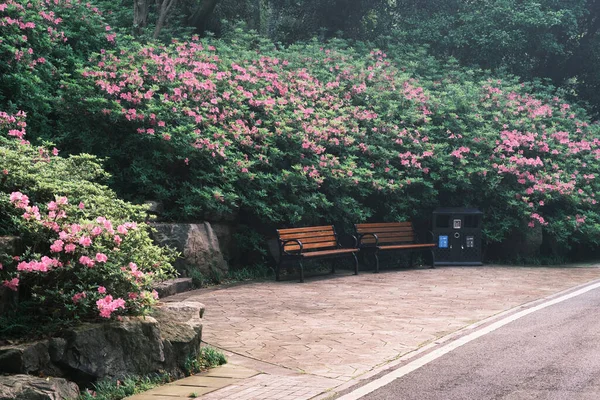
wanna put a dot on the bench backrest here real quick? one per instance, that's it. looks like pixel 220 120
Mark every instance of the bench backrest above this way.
pixel 387 232
pixel 313 238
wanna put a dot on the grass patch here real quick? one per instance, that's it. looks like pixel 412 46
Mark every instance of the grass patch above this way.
pixel 117 390
pixel 208 357
pixel 234 275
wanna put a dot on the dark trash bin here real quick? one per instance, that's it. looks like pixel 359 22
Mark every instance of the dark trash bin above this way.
pixel 457 233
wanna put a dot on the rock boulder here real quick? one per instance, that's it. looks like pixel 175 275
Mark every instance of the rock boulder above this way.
pixel 25 387
pixel 133 346
pixel 198 245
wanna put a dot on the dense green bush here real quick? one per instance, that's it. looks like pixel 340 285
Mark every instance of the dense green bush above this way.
pixel 308 133
pixel 42 43
pixel 241 129
pixel 87 253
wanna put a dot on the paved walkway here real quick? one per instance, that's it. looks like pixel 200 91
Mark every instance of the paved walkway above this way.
pixel 303 340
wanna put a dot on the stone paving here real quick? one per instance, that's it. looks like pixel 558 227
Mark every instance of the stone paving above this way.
pixel 307 338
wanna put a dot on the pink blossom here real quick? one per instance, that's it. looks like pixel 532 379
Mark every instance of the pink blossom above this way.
pixel 100 257
pixel 107 306
pixel 57 246
pixel 70 248
pixel 19 199
pixel 85 260
pixel 78 296
pixel 12 284
pixel 81 205
pixel 101 289
pixel 85 241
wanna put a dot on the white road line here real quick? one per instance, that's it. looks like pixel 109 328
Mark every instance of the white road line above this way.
pixel 414 365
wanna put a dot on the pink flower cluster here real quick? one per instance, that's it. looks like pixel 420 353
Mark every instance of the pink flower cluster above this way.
pixel 106 306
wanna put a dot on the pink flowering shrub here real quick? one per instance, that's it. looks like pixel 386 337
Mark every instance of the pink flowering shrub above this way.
pixel 316 133
pixel 88 254
pixel 313 133
pixel 42 43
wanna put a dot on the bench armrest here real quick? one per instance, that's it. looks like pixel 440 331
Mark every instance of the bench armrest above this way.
pixel 282 244
pixel 349 236
pixel 362 235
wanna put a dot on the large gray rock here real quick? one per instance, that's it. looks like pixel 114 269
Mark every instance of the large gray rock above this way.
pixel 25 387
pixel 10 245
pixel 133 346
pixel 181 331
pixel 171 287
pixel 198 245
pixel 27 358
pixel 227 243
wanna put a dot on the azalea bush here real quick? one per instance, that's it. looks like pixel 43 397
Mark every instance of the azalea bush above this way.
pixel 87 254
pixel 244 130
pixel 42 43
pixel 332 133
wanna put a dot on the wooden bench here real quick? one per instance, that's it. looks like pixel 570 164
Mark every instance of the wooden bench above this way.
pixel 390 236
pixel 315 242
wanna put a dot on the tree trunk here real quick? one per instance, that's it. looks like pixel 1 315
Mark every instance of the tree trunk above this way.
pixel 140 16
pixel 200 16
pixel 165 7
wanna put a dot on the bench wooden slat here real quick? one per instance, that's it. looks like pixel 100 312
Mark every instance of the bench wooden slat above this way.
pixel 307 229
pixel 390 236
pixel 385 225
pixel 329 252
pixel 381 235
pixel 317 241
pixel 294 246
pixel 302 236
pixel 384 229
pixel 388 239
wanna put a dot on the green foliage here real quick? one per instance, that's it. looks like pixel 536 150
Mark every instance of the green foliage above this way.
pixel 208 357
pixel 87 253
pixel 120 389
pixel 307 134
pixel 246 130
pixel 43 43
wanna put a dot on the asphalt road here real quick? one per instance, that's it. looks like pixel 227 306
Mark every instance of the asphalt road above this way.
pixel 551 354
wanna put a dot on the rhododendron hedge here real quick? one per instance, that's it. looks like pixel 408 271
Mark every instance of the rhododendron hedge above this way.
pixel 336 132
pixel 87 254
pixel 42 43
pixel 318 132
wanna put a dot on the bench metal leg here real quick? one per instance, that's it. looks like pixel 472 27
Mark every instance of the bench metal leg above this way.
pixel 355 264
pixel 301 272
pixel 376 262
pixel 432 259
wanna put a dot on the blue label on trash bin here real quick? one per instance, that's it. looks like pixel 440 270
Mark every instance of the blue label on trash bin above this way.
pixel 443 242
